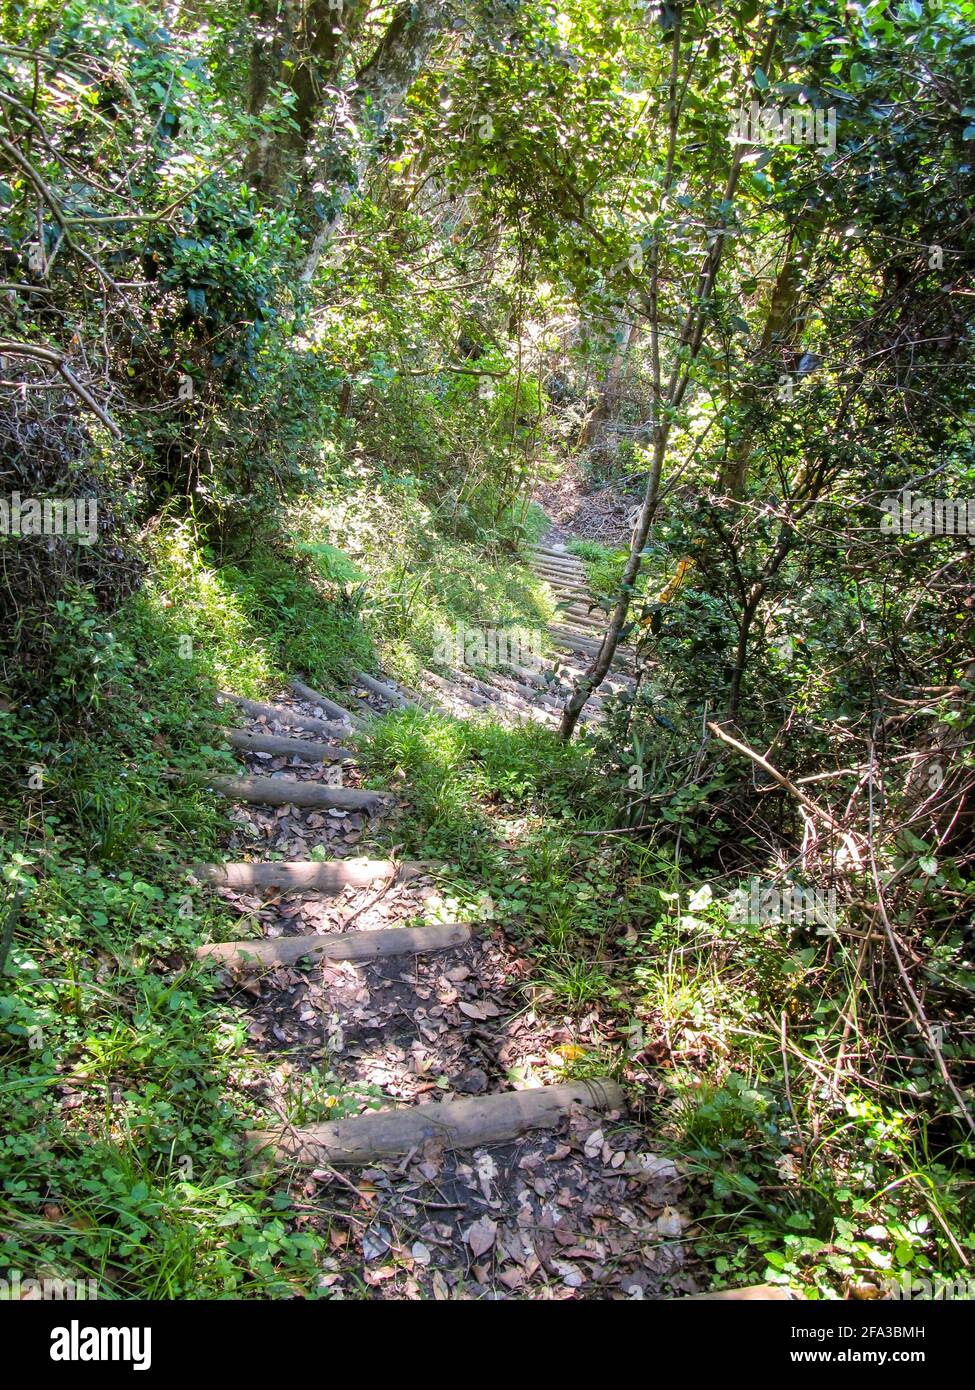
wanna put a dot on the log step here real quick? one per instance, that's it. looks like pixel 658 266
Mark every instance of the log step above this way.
pixel 585 643
pixel 567 579
pixel 315 697
pixel 287 791
pixel 307 876
pixel 458 691
pixel 464 1124
pixel 570 591
pixel 386 692
pixel 544 563
pixel 548 552
pixel 559 630
pixel 286 716
pixel 581 618
pixel 353 945
pixel 306 749
pixel 558 562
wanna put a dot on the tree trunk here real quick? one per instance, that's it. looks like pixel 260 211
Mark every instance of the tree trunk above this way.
pixel 380 90
pixel 305 53
pixel 783 328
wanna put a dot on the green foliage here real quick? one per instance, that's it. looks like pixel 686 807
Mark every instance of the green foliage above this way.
pixel 314 473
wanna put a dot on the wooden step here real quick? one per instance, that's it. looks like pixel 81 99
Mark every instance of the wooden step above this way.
pixel 555 557
pixel 557 562
pixel 530 677
pixel 287 791
pixel 582 616
pixel 286 716
pixel 528 694
pixel 353 945
pixel 571 577
pixel 540 549
pixel 386 692
pixel 464 1124
pixel 306 749
pixel 585 643
pixel 499 694
pixel 499 699
pixel 572 595
pixel 297 876
pixel 458 691
pixel 543 565
pixel 315 697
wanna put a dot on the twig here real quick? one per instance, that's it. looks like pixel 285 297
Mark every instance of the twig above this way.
pixel 9 926
pixel 811 806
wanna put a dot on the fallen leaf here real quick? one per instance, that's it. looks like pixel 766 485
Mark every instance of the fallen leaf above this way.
pixel 480 1235
pixel 669 1222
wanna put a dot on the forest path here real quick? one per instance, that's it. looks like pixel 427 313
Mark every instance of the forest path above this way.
pixel 484 1172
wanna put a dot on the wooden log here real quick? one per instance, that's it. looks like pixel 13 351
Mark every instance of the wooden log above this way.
pixel 484 695
pixel 530 694
pixel 567 592
pixel 587 644
pixel 565 557
pixel 387 692
pixel 464 1124
pixel 530 677
pixel 521 699
pixel 566 576
pixel 305 876
pixel 584 642
pixel 458 690
pixel 306 749
pixel 581 616
pixel 287 791
pixel 557 562
pixel 285 716
pixel 353 945
pixel 315 697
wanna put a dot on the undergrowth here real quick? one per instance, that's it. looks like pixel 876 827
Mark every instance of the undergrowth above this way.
pixel 736 1032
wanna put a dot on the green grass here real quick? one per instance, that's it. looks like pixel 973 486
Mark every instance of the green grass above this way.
pixel 604 565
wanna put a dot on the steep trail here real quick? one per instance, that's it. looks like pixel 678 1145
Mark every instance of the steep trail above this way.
pixel 453 1160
